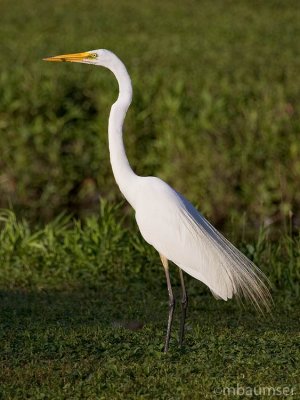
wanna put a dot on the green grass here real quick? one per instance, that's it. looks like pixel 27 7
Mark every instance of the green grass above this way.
pixel 215 110
pixel 83 302
pixel 76 344
pixel 84 308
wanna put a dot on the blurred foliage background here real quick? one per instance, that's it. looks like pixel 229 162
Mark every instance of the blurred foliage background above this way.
pixel 215 110
pixel 216 114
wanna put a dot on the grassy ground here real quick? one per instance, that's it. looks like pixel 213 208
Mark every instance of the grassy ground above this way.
pixel 84 308
pixel 83 304
pixel 106 344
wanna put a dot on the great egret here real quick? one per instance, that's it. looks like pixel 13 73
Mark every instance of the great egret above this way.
pixel 168 221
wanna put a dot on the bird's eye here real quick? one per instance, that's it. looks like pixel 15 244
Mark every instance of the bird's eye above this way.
pixel 92 55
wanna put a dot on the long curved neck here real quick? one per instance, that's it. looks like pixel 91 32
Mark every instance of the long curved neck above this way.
pixel 124 175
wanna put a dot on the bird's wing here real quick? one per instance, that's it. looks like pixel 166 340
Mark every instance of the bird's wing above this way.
pixel 179 232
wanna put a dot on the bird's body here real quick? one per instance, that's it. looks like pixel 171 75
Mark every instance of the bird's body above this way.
pixel 177 236
pixel 173 226
pixel 167 220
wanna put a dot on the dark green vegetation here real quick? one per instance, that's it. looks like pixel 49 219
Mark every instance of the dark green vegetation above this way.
pixel 84 308
pixel 215 110
pixel 83 305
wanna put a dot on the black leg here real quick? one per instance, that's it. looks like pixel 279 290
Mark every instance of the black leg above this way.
pixel 171 302
pixel 184 304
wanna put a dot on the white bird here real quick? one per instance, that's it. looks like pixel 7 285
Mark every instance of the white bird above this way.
pixel 168 221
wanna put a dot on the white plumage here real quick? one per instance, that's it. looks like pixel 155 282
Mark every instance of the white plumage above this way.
pixel 168 221
pixel 186 238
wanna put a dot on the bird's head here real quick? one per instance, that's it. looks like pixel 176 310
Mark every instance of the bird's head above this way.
pixel 100 57
pixel 104 58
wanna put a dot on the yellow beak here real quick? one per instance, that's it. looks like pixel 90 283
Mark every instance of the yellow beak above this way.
pixel 77 57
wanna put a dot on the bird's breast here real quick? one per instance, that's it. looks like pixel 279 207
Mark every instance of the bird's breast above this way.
pixel 157 211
